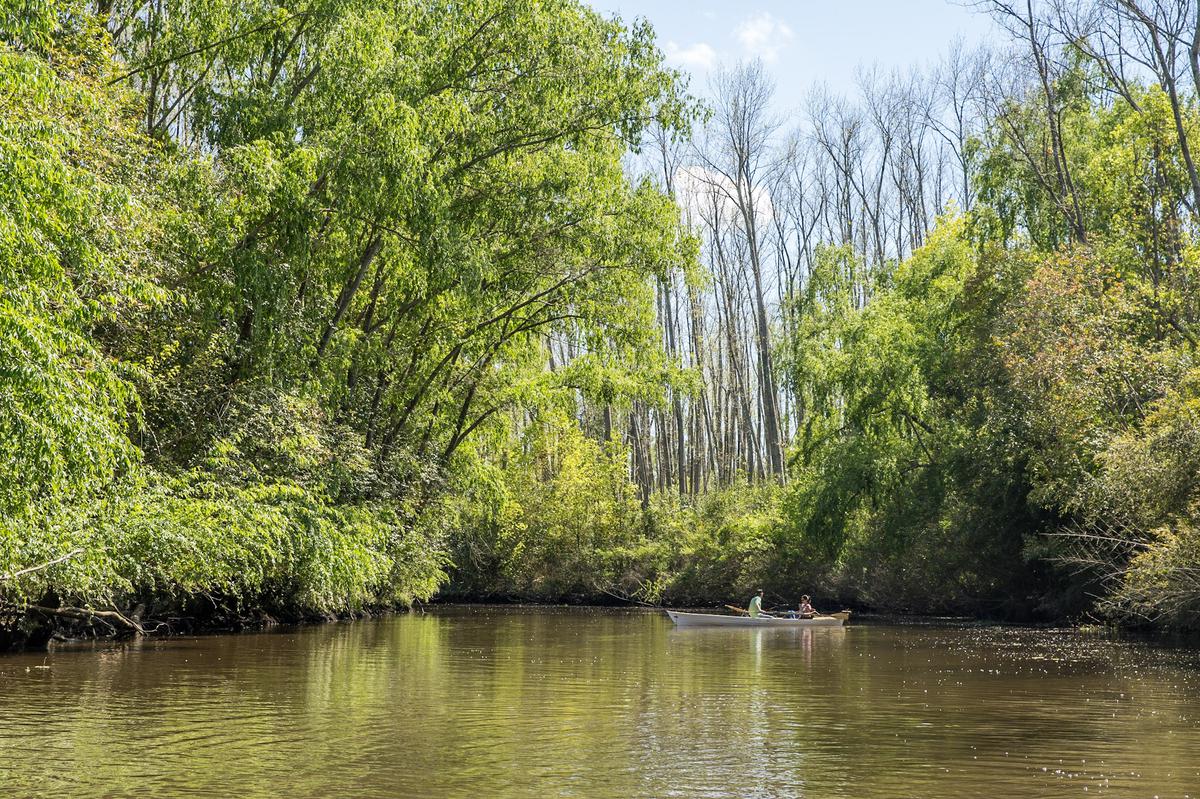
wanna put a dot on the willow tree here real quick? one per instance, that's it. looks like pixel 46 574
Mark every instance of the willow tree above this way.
pixel 408 198
pixel 74 222
pixel 283 264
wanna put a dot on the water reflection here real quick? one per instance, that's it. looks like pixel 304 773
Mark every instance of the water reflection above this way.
pixel 492 702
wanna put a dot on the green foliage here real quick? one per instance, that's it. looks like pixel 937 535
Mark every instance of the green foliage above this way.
pixel 556 523
pixel 270 547
pixel 1138 512
pixel 272 278
pixel 906 491
pixel 284 294
pixel 1004 383
pixel 725 545
pixel 27 23
pixel 562 521
pixel 71 229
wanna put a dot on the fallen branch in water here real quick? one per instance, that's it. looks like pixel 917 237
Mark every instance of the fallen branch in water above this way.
pixel 629 599
pixel 40 566
pixel 87 614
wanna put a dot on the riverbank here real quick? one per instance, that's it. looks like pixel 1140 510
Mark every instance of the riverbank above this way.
pixel 56 630
pixel 39 630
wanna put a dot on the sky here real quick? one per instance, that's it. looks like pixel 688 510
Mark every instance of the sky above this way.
pixel 804 42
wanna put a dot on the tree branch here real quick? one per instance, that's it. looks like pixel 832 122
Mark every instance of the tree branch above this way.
pixel 40 566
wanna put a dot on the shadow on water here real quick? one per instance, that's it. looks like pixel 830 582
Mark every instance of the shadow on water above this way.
pixel 492 701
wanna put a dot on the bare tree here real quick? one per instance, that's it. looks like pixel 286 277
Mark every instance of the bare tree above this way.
pixel 739 165
pixel 1025 25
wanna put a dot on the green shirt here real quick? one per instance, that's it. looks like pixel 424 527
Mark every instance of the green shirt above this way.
pixel 755 606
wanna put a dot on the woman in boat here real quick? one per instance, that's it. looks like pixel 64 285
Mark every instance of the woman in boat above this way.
pixel 805 611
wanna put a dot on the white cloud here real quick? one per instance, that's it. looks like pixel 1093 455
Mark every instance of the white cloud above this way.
pixel 704 193
pixel 763 36
pixel 700 56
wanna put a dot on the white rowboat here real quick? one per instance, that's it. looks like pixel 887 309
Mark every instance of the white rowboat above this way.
pixel 683 619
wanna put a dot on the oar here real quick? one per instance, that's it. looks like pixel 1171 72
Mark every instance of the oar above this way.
pixel 745 612
pixel 844 615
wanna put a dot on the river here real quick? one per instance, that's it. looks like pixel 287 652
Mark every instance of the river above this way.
pixel 488 702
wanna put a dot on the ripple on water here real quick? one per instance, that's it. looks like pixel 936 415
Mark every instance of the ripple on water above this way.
pixel 487 702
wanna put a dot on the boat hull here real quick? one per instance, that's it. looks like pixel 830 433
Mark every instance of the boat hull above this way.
pixel 684 619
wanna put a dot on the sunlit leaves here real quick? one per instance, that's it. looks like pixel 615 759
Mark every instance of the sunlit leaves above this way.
pixel 328 271
pixel 71 229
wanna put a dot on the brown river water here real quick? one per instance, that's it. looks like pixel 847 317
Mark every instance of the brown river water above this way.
pixel 488 702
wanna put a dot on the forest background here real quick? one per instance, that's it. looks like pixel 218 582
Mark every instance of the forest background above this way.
pixel 321 307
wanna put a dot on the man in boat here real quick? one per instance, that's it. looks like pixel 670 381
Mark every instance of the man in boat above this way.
pixel 755 609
